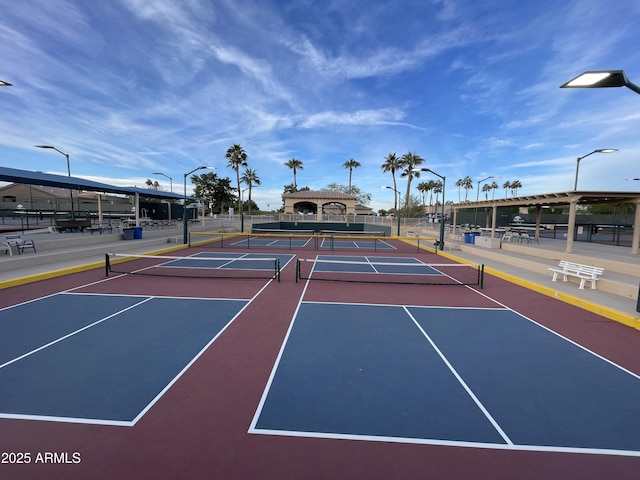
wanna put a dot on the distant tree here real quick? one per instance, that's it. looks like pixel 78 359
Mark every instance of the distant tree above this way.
pixel 423 188
pixel 153 185
pixel 486 188
pixel 515 185
pixel 409 162
pixel 467 184
pixel 237 158
pixel 351 164
pixel 459 184
pixel 295 165
pixel 437 189
pixel 362 198
pixel 413 209
pixel 494 187
pixel 213 190
pixel 250 178
pixel 506 185
pixel 392 164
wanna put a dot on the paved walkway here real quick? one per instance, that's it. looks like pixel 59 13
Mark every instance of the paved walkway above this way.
pixel 510 264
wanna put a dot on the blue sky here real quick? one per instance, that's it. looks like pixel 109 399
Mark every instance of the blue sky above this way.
pixel 132 87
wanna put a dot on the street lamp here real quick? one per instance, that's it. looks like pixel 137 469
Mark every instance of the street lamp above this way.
pixel 444 181
pixel 169 203
pixel 602 79
pixel 397 210
pixel 167 176
pixel 184 214
pixel 600 150
pixel 73 215
pixel 478 194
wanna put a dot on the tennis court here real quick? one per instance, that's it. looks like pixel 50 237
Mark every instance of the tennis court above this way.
pixel 273 363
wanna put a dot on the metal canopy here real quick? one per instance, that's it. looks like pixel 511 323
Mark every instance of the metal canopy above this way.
pixel 562 198
pixel 27 177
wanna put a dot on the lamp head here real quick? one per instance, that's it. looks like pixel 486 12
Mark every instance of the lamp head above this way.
pixel 598 79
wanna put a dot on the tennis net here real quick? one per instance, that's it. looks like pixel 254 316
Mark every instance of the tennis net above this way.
pixel 261 267
pixel 407 271
pixel 290 239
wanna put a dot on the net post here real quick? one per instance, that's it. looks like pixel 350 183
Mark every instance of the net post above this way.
pixel 481 274
pixel 278 269
pixel 297 269
pixel 248 241
pixel 107 267
pixel 189 240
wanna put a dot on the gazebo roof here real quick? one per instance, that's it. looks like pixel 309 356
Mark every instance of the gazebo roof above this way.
pixel 320 194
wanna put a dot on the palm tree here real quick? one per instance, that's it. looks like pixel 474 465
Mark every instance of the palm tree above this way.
pixel 437 189
pixel 423 188
pixel 467 184
pixel 237 158
pixel 250 178
pixel 431 184
pixel 392 164
pixel 459 183
pixel 351 164
pixel 409 162
pixel 486 188
pixel 506 185
pixel 515 185
pixel 295 165
pixel 494 187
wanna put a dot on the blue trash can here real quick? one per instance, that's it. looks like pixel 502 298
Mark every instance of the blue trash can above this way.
pixel 137 233
pixel 473 237
pixel 467 238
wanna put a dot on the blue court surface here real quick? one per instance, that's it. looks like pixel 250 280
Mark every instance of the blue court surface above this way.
pixel 101 359
pixel 360 264
pixel 474 377
pixel 290 242
pixel 355 243
pixel 232 261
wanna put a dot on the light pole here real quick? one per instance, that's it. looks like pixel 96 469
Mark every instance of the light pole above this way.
pixel 602 79
pixel 444 181
pixel 167 176
pixel 397 210
pixel 600 150
pixel 184 213
pixel 478 194
pixel 169 203
pixel 73 215
pixel 242 209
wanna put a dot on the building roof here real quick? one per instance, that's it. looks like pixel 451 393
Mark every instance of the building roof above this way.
pixel 320 194
pixel 561 198
pixel 14 175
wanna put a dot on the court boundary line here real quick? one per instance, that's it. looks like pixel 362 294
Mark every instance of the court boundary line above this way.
pixel 420 441
pixel 131 423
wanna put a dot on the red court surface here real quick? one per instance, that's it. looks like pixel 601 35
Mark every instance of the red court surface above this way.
pixel 199 426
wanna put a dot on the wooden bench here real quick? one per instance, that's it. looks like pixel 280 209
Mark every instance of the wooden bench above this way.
pixel 16 240
pixel 73 225
pixel 586 273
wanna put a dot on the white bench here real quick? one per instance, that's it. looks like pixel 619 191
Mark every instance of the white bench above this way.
pixel 586 273
pixel 16 240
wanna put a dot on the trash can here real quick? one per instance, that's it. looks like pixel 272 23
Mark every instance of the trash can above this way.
pixel 473 237
pixel 137 233
pixel 128 233
pixel 467 238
